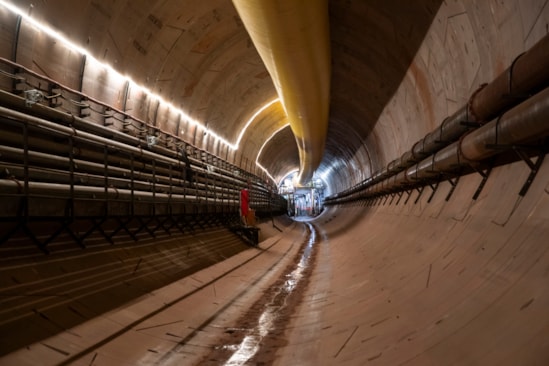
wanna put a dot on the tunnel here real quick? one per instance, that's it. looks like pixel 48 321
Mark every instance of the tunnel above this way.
pixel 277 182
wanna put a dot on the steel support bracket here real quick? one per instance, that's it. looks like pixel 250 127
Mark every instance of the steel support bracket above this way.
pixel 161 222
pixel 522 152
pixel 400 194
pixel 39 244
pixel 534 168
pixel 96 226
pixel 122 224
pixel 393 195
pixel 144 225
pixel 484 173
pixel 420 191
pixel 409 195
pixel 64 227
pixel 378 199
pixel 434 188
pixel 453 183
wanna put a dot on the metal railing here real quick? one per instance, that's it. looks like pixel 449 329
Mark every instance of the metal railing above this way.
pixel 63 174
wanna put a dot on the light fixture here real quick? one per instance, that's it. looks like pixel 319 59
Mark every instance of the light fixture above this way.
pixel 91 60
pixel 112 72
pixel 261 150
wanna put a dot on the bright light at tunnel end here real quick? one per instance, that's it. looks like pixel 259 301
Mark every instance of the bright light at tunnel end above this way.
pixel 89 58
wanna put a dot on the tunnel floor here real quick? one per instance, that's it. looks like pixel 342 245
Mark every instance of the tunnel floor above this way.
pixel 447 282
pixel 200 319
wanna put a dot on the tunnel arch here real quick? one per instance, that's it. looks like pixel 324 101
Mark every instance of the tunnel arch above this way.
pixel 421 276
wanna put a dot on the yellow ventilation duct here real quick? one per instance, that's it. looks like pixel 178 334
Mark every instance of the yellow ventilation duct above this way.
pixel 292 38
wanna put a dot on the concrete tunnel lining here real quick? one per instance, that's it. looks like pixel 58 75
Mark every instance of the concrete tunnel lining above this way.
pixel 461 281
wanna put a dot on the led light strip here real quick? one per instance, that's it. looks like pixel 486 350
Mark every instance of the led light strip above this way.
pixel 261 149
pixel 256 114
pixel 89 58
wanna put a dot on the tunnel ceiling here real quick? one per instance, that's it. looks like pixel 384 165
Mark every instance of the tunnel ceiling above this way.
pixel 197 55
pixel 279 152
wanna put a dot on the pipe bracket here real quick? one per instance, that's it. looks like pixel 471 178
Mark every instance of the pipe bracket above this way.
pixel 484 173
pixel 20 187
pixel 534 166
pixel 420 191
pixel 470 108
pixel 434 188
pixel 510 73
pixel 461 158
pixel 453 183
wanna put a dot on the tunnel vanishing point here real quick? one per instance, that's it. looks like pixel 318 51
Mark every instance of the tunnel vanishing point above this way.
pixel 391 154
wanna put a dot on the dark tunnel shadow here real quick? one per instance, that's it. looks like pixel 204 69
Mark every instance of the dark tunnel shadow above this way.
pixel 53 293
pixel 373 45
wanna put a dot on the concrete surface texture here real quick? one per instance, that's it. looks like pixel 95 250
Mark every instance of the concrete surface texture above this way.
pixel 448 282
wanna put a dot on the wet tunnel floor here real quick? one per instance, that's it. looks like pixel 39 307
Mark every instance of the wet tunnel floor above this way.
pixel 260 332
pixel 409 284
pixel 232 313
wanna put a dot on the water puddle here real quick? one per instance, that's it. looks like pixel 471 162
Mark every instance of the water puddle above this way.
pixel 273 308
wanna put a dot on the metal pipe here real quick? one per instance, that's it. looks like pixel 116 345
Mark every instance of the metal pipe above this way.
pixel 527 75
pixel 12 187
pixel 45 125
pixel 524 77
pixel 117 176
pixel 229 183
pixel 293 40
pixel 49 127
pixel 96 179
pixel 63 177
pixel 43 112
pixel 526 123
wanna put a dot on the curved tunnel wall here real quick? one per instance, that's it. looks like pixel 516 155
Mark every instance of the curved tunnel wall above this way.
pixel 462 275
pixel 464 46
pixel 195 61
pixel 467 44
pixel 462 281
